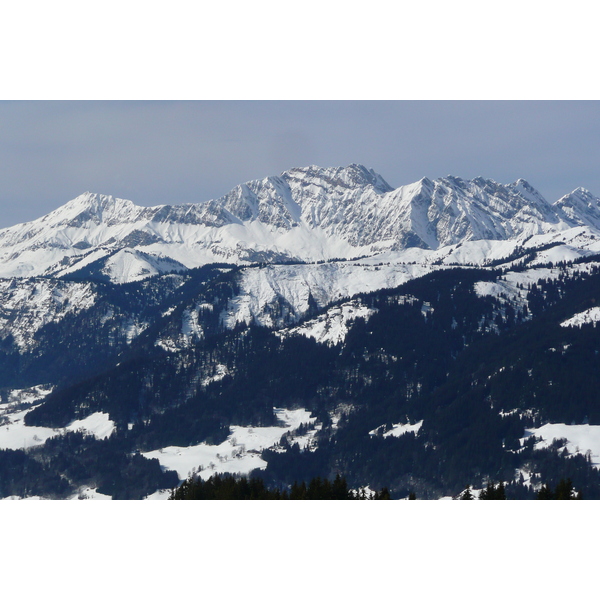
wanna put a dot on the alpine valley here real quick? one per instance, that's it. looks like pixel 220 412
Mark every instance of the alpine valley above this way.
pixel 428 339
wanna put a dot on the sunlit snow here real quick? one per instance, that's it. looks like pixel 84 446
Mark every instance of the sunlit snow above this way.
pixel 332 327
pixel 397 429
pixel 591 315
pixel 580 438
pixel 97 424
pixel 28 305
pixel 240 452
pixel 514 286
pixel 290 287
pixel 88 493
pixel 14 434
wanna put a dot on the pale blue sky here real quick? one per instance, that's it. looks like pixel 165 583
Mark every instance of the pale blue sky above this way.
pixel 155 152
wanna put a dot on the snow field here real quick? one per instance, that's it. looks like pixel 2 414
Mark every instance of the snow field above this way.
pixel 326 283
pixel 332 327
pixel 515 284
pixel 397 429
pixel 239 453
pixel 581 439
pixel 15 435
pixel 591 315
pixel 129 265
pixel 89 494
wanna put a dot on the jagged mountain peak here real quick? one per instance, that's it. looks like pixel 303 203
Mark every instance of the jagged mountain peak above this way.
pixel 580 207
pixel 580 199
pixel 488 192
pixel 95 201
pixel 450 210
pixel 490 186
pixel 523 183
pixel 579 192
pixel 94 208
pixel 453 179
pixel 349 177
pixel 527 191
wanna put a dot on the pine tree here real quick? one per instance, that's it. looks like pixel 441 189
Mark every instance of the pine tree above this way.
pixel 564 490
pixel 545 493
pixel 501 492
pixel 467 495
pixel 384 494
pixel 492 492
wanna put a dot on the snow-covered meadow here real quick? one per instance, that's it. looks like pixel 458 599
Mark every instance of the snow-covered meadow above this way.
pixel 397 429
pixel 15 435
pixel 581 439
pixel 240 452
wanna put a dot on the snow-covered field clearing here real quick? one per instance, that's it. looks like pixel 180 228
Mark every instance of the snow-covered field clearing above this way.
pixel 15 435
pixel 581 439
pixel 591 315
pixel 240 452
pixel 397 429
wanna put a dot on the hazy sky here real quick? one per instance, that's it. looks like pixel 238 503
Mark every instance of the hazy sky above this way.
pixel 155 152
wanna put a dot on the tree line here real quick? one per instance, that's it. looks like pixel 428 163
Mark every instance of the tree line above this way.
pixel 232 487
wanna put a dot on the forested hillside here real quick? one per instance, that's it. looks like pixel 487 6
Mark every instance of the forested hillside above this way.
pixel 434 391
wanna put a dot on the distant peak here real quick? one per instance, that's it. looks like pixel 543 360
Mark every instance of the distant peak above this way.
pixel 85 197
pixel 522 183
pixel 527 191
pixel 351 175
pixel 92 198
pixel 315 170
pixel 452 181
pixel 580 192
pixel 94 207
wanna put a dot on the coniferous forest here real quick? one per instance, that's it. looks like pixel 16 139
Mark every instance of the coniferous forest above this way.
pixel 228 487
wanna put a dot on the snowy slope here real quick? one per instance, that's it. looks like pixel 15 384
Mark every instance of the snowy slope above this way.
pixel 27 305
pixel 332 326
pixel 513 287
pixel 591 315
pixel 580 207
pixel 278 295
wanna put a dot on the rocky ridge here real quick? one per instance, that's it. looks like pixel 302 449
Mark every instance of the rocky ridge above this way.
pixel 306 214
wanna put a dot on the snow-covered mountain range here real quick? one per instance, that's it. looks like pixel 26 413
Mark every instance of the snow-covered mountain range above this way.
pixel 306 214
pixel 323 260
pixel 362 234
